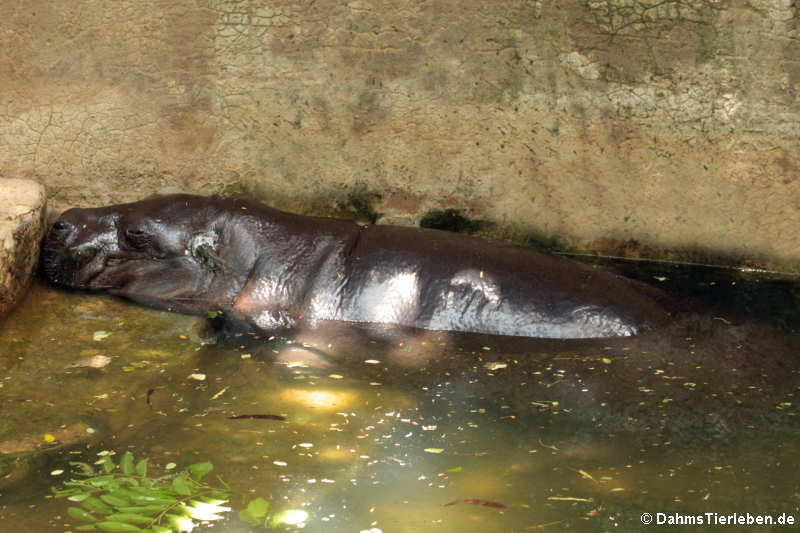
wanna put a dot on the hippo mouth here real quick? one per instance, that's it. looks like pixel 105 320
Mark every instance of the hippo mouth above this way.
pixel 85 268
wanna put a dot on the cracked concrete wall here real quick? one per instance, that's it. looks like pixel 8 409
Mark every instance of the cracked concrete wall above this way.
pixel 633 127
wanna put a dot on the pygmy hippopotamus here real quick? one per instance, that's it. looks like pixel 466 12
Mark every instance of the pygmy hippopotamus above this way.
pixel 276 271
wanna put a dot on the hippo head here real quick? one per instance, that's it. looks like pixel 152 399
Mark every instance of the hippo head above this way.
pixel 166 252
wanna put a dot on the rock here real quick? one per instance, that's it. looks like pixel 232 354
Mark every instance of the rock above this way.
pixel 22 225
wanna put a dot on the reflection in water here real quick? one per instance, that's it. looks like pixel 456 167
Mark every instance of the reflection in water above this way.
pixel 558 436
pixel 319 399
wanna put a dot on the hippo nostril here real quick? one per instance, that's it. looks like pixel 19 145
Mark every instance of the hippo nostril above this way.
pixel 62 225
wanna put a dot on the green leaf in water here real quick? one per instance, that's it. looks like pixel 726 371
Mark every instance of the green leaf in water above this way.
pixel 129 518
pixel 86 468
pixel 96 505
pixel 258 507
pixel 126 464
pixel 434 450
pixel 80 514
pixel 180 487
pixel 100 335
pixel 198 470
pixel 456 469
pixel 141 468
pixel 149 510
pixel 256 512
pixel 116 501
pixel 108 463
pixel 118 527
pixel 86 527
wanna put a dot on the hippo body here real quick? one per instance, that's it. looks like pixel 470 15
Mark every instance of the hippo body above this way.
pixel 276 271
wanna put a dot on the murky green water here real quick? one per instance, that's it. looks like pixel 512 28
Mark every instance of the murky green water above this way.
pixel 568 436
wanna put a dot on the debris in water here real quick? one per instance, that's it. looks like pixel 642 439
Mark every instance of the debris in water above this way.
pixel 474 501
pixel 220 393
pixel 95 361
pixel 258 417
pixel 100 335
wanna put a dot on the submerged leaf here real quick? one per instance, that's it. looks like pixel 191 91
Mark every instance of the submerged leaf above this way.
pixel 179 486
pixel 96 505
pixel 126 464
pixel 141 468
pixel 118 527
pixel 198 470
pixel 129 518
pixel 80 514
pixel 258 507
pixel 108 463
pixel 116 501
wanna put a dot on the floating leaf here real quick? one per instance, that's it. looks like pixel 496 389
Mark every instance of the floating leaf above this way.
pixel 86 527
pixel 179 486
pixel 114 500
pixel 141 468
pixel 49 437
pixel 434 450
pixel 148 510
pixel 80 514
pixel 118 527
pixel 212 314
pixel 129 518
pixel 96 505
pixel 126 464
pixel 198 470
pixel 108 463
pixel 78 497
pixel 606 361
pixel 256 512
pixel 100 335
pixel 456 469
pixel 258 507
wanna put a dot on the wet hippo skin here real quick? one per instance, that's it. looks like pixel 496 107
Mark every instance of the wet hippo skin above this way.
pixel 276 271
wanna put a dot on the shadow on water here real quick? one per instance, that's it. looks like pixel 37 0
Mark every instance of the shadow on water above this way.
pixel 699 417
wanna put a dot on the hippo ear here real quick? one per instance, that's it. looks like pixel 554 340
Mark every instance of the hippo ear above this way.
pixel 203 248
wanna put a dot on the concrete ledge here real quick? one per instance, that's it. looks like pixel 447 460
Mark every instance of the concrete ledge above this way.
pixel 22 226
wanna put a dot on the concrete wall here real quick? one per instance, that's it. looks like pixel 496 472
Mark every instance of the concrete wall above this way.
pixel 619 126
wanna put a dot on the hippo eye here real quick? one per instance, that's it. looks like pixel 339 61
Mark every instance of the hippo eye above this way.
pixel 138 238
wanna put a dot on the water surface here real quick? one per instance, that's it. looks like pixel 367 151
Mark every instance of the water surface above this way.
pixel 567 436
